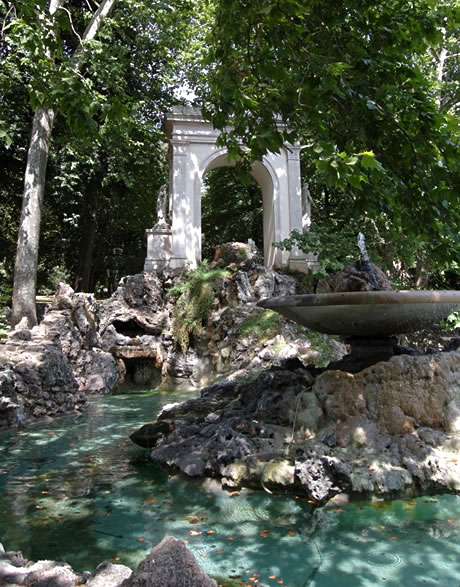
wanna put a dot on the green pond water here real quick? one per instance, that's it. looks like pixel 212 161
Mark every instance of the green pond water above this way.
pixel 78 490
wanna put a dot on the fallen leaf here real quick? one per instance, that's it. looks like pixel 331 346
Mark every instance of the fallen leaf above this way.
pixel 150 500
pixel 394 538
pixel 229 538
pixel 234 493
pixel 265 533
pixel 272 577
pixel 116 558
pixel 411 503
pixel 292 532
pixel 220 549
pixel 281 582
pixel 195 533
pixel 204 555
pixel 337 511
pixel 451 520
pixel 141 539
pixel 210 531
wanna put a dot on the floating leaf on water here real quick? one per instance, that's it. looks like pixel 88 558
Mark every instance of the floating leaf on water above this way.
pixel 220 549
pixel 210 531
pixel 234 493
pixel 150 500
pixel 195 533
pixel 394 538
pixel 229 538
pixel 141 539
pixel 116 558
pixel 292 532
pixel 265 533
pixel 272 577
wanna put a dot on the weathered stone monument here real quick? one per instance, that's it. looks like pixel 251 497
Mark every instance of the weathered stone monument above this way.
pixel 194 152
pixel 159 237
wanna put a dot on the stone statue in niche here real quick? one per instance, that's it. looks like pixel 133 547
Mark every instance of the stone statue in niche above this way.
pixel 306 207
pixel 162 207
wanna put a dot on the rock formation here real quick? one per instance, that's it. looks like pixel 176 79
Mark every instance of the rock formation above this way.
pixel 390 430
pixel 169 564
pixel 82 347
pixel 50 369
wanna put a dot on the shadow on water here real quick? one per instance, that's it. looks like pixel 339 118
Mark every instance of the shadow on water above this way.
pixel 78 490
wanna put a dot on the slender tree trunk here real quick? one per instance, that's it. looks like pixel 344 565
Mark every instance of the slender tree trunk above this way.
pixel 25 269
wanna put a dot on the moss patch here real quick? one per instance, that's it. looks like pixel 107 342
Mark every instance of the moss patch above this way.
pixel 261 325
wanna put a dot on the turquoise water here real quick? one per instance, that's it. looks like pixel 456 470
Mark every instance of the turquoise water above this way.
pixel 77 489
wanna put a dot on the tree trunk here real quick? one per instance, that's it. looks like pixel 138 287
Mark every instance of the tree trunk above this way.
pixel 88 237
pixel 25 269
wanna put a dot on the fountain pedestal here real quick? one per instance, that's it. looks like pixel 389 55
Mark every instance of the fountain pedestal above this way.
pixel 364 352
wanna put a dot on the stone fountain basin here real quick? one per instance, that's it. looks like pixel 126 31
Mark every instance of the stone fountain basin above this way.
pixel 366 313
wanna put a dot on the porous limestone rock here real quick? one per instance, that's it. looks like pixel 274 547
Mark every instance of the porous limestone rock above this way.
pixel 50 369
pixel 391 430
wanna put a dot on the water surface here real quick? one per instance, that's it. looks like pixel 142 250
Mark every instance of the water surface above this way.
pixel 78 490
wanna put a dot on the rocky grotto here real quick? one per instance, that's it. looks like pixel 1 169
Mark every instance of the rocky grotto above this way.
pixel 273 419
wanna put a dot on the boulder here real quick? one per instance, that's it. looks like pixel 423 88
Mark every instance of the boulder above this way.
pixel 169 564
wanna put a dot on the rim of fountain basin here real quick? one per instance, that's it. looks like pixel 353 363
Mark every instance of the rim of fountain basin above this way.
pixel 366 313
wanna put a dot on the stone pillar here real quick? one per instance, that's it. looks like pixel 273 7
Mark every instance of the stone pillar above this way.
pixel 158 248
pixel 181 209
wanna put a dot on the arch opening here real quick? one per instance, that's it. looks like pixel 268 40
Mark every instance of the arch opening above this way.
pixel 235 208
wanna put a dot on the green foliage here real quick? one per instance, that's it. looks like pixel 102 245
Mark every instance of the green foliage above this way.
pixel 262 325
pixel 319 342
pixel 379 131
pixel 108 157
pixel 452 322
pixel 195 298
pixel 229 194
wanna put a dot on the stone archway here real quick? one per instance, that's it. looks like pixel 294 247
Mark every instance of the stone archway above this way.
pixel 193 152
